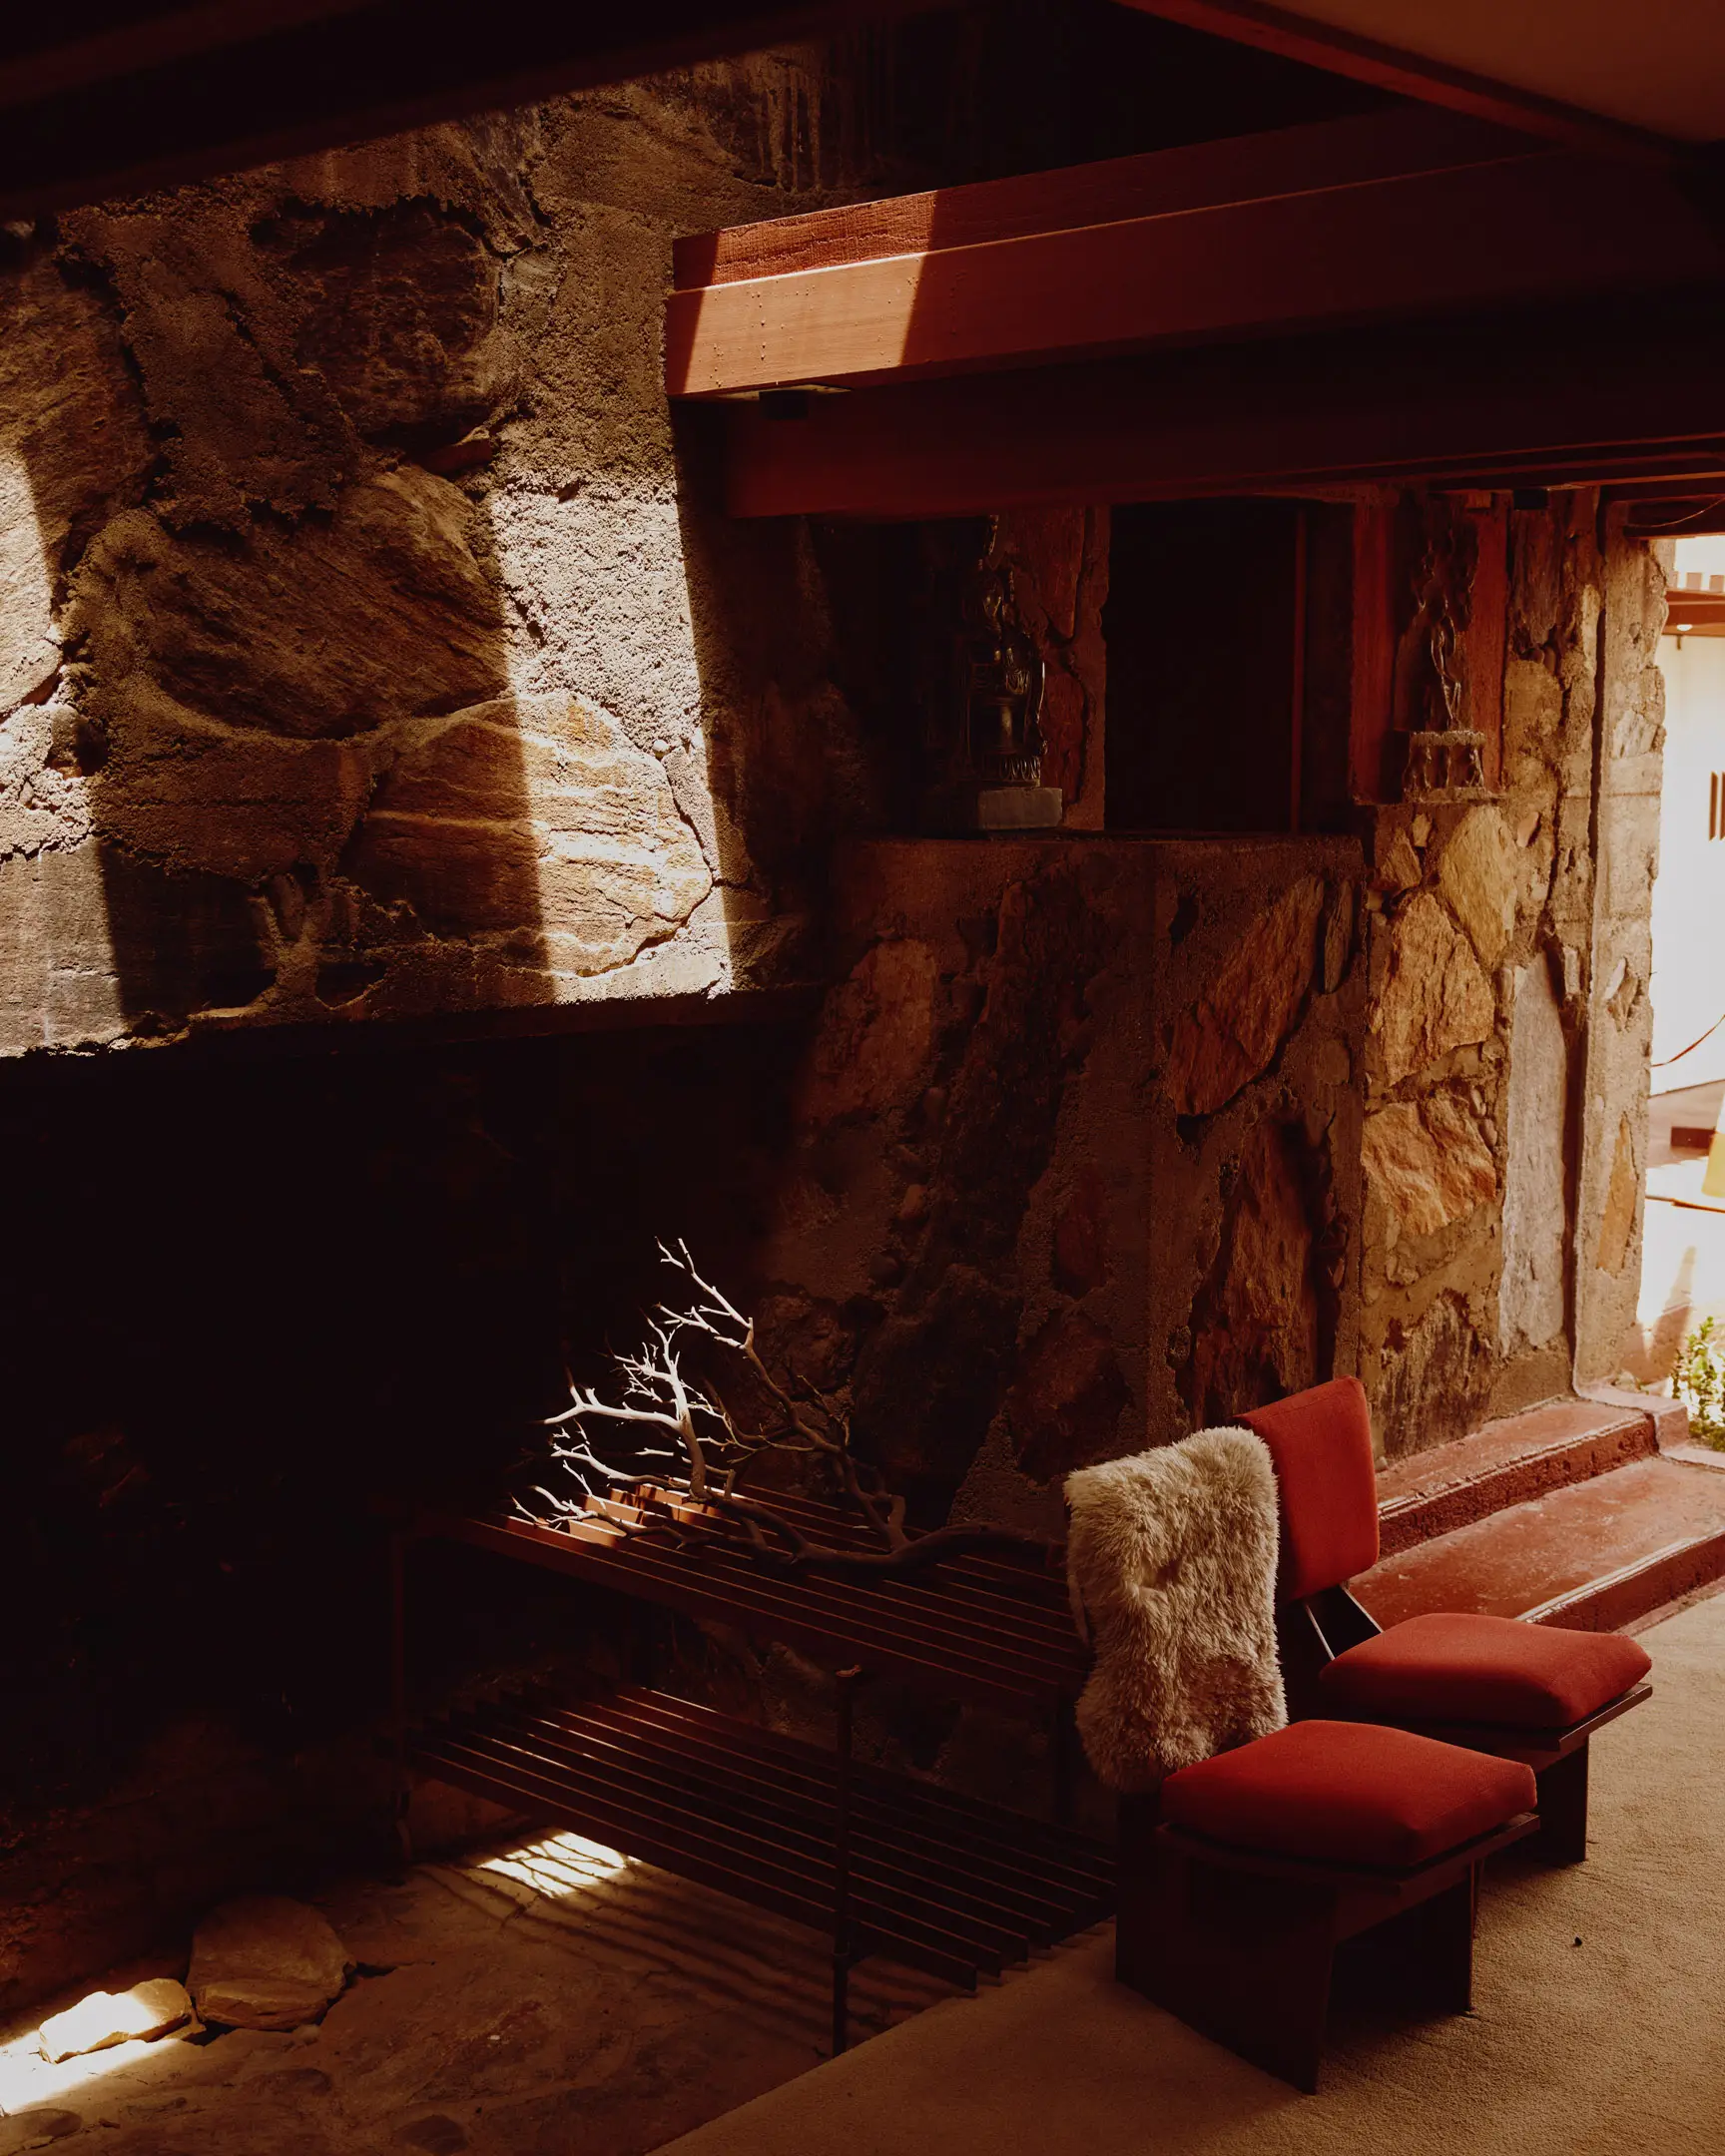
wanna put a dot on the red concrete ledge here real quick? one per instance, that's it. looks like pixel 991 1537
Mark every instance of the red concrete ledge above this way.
pixel 1509 1461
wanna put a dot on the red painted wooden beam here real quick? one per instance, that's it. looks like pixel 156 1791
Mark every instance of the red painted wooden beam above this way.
pixel 1383 216
pixel 1500 404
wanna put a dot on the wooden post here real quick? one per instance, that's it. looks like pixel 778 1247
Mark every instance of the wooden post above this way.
pixel 402 1787
pixel 843 1955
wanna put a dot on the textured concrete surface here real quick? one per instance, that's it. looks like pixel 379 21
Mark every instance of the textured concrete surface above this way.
pixel 1563 1544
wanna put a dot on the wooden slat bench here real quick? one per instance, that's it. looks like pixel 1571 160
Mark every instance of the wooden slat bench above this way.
pixel 887 1863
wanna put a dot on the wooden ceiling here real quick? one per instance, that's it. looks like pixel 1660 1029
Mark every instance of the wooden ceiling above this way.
pixel 1408 295
pixel 1576 69
pixel 107 97
pixel 1401 212
pixel 1233 316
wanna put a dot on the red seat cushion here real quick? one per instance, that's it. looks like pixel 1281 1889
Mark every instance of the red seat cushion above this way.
pixel 1452 1667
pixel 1320 1444
pixel 1348 1793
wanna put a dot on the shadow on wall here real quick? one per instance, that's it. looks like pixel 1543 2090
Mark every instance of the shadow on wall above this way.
pixel 266 763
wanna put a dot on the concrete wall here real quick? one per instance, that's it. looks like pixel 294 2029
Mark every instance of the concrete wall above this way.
pixel 1689 988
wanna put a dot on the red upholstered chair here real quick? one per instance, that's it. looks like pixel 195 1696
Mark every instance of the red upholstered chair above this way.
pixel 1524 1692
pixel 1242 1874
pixel 1266 1859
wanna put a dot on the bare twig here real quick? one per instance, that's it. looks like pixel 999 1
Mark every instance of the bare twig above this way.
pixel 709 1452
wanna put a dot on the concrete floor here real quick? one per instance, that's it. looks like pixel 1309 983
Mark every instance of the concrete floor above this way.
pixel 1598 2007
pixel 532 2002
pixel 1683 1242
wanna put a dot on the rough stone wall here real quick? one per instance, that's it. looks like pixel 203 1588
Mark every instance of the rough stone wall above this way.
pixel 1507 1054
pixel 360 654
pixel 1074 1151
pixel 1629 744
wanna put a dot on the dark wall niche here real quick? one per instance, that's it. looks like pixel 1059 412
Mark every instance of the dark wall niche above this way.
pixel 244 1305
pixel 1229 637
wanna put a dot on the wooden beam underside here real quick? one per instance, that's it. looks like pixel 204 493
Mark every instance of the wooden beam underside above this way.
pixel 1522 402
pixel 1387 217
pixel 1292 36
pixel 182 89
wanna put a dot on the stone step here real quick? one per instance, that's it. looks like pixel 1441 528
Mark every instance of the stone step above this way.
pixel 1594 1555
pixel 1509 1461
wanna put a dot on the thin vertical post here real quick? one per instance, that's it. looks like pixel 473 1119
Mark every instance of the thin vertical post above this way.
pixel 843 1955
pixel 1297 690
pixel 398 1692
pixel 1064 1737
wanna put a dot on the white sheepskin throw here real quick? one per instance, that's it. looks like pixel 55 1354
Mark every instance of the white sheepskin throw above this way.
pixel 1171 1561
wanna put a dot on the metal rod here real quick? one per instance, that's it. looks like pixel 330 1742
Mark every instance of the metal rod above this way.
pixel 1297 695
pixel 841 1953
pixel 1065 1732
pixel 401 1791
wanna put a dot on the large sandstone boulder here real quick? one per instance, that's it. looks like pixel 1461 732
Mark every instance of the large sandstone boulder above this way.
pixel 1231 1034
pixel 318 631
pixel 877 1034
pixel 1478 876
pixel 73 447
pixel 264 1961
pixel 1258 1319
pixel 535 814
pixel 156 2007
pixel 1429 1162
pixel 1064 1409
pixel 1434 997
pixel 1618 1220
pixel 400 313
pixel 1435 1377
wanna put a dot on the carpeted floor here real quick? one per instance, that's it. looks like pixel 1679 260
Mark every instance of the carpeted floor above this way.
pixel 1598 2027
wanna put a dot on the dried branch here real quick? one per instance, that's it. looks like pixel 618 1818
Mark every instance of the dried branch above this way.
pixel 695 1497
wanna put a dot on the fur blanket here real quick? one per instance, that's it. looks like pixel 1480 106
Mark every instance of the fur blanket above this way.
pixel 1171 1561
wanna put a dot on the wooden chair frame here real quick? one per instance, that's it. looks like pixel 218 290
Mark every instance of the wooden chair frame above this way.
pixel 1241 1945
pixel 1314 1631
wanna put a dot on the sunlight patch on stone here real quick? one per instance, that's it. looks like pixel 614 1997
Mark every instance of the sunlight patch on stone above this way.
pixel 560 1867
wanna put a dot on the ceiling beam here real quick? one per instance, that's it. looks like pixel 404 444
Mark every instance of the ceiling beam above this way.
pixel 179 93
pixel 1292 36
pixel 1392 215
pixel 1558 401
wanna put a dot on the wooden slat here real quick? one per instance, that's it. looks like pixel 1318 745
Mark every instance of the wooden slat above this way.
pixel 968 1637
pixel 944 1882
pixel 1196 176
pixel 920 1900
pixel 801 1791
pixel 1565 398
pixel 937 1894
pixel 1527 224
pixel 1056 1848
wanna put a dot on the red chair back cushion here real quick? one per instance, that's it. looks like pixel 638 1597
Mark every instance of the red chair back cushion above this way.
pixel 1459 1667
pixel 1348 1793
pixel 1321 1443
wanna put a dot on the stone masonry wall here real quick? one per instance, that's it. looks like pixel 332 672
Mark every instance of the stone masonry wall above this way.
pixel 1507 1058
pixel 1073 1167
pixel 361 653
pixel 1074 1152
